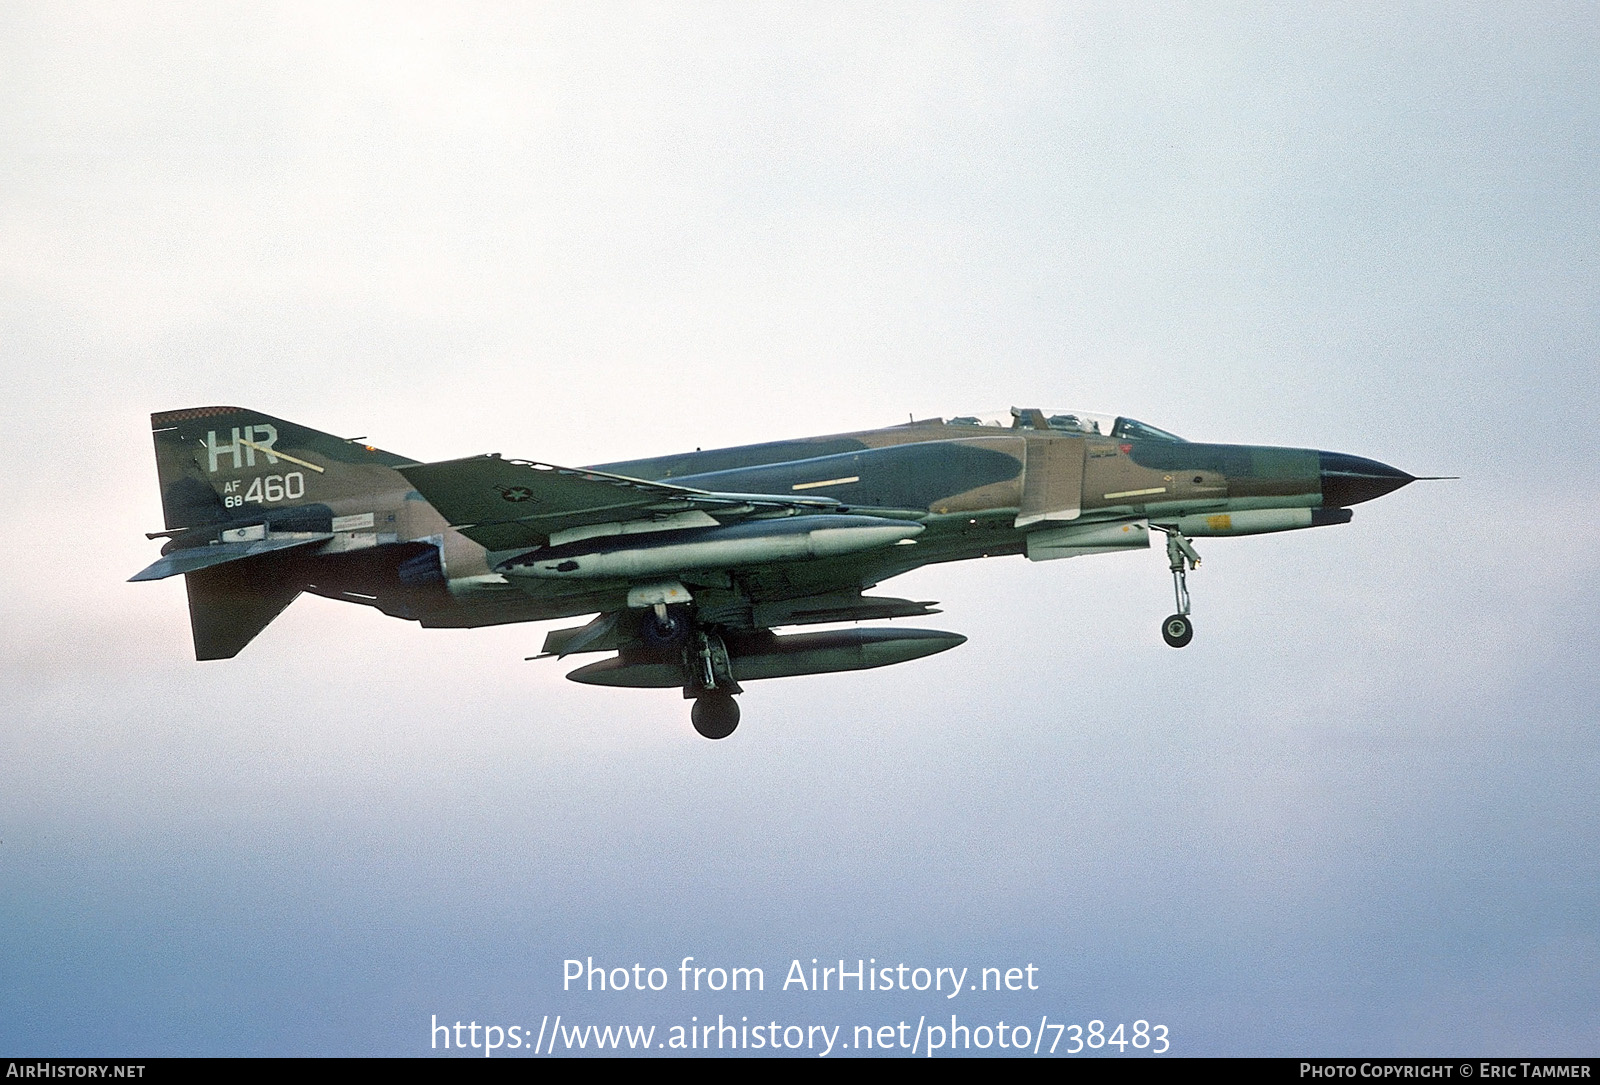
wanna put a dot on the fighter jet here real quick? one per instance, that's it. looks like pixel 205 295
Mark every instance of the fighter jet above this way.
pixel 690 562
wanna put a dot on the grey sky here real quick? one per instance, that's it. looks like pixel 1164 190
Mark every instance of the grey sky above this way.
pixel 1355 816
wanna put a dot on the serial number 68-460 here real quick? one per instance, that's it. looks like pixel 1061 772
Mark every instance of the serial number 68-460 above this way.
pixel 266 490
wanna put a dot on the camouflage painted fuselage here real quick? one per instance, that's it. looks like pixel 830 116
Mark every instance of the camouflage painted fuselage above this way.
pixel 347 521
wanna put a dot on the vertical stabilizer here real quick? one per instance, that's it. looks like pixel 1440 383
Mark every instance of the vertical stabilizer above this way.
pixel 229 463
pixel 228 471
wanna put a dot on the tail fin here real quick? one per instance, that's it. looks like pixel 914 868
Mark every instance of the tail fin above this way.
pixel 227 467
pixel 228 463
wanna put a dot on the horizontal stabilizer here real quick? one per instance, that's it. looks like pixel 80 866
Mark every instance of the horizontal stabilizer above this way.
pixel 195 558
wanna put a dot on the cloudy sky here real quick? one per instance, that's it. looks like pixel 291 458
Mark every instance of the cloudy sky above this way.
pixel 1356 816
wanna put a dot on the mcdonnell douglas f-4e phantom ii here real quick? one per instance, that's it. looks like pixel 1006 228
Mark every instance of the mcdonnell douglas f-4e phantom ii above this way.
pixel 691 561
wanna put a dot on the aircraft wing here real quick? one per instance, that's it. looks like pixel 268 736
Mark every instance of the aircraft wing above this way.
pixel 503 504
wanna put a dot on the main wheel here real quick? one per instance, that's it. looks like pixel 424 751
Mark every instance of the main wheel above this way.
pixel 669 629
pixel 1177 630
pixel 715 715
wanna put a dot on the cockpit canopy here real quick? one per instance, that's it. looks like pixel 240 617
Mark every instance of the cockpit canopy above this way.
pixel 1089 423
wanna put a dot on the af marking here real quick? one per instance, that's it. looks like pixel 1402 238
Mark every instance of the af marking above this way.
pixel 265 490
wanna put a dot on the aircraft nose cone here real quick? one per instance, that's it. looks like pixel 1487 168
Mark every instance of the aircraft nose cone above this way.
pixel 1349 480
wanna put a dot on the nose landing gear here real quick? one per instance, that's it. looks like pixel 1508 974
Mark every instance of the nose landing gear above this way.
pixel 1178 629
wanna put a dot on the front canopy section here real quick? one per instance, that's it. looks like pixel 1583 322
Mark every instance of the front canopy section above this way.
pixel 1060 420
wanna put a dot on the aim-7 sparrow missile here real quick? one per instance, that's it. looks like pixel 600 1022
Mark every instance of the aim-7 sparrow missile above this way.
pixel 751 542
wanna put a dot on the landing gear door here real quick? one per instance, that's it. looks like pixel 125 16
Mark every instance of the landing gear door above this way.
pixel 1052 480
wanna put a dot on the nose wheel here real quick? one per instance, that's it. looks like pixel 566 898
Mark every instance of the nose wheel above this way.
pixel 1178 630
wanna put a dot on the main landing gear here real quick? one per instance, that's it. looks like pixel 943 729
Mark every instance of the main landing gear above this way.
pixel 715 713
pixel 707 670
pixel 1178 630
pixel 665 625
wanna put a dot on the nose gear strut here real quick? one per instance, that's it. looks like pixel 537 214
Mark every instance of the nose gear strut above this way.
pixel 1178 630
